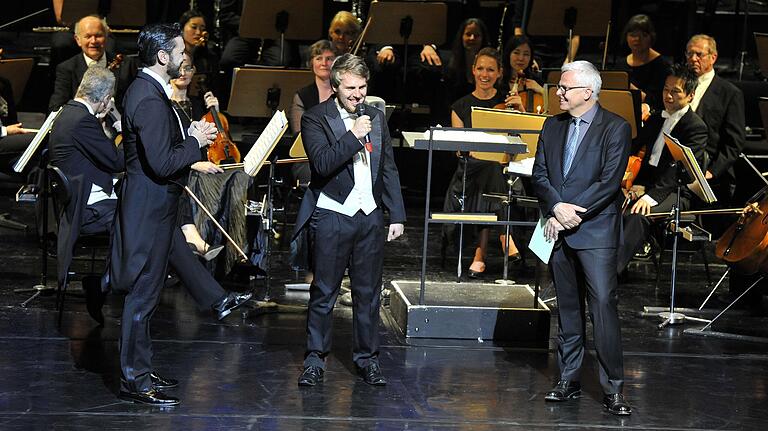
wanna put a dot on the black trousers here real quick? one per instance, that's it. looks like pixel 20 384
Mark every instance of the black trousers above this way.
pixel 638 228
pixel 339 242
pixel 171 248
pixel 589 273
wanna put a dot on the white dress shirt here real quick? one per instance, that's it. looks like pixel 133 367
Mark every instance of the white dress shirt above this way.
pixel 704 81
pixel 361 196
pixel 670 121
pixel 101 62
pixel 97 193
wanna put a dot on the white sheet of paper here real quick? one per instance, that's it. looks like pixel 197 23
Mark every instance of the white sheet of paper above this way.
pixel 539 244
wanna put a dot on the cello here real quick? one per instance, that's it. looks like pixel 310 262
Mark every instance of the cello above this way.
pixel 531 100
pixel 744 246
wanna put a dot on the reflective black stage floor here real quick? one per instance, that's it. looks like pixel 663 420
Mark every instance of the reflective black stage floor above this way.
pixel 241 373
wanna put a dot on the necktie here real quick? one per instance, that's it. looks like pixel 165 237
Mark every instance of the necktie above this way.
pixel 571 146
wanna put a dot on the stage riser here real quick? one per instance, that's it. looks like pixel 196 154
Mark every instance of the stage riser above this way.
pixel 519 324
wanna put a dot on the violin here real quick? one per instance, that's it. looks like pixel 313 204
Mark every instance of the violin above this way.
pixel 115 64
pixel 531 100
pixel 744 246
pixel 633 169
pixel 222 149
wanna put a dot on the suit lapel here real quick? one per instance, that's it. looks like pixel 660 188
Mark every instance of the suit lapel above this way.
pixel 337 126
pixel 376 134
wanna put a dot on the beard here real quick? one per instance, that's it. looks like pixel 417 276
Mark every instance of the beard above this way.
pixel 174 68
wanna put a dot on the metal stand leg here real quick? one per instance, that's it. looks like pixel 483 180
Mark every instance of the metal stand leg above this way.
pixel 734 301
pixel 725 274
pixel 504 279
pixel 461 225
pixel 43 287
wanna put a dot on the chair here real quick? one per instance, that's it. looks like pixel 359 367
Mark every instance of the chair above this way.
pixel 60 192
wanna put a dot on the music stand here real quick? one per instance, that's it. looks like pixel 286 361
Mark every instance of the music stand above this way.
pixel 761 43
pixel 251 88
pixel 621 102
pixel 612 79
pixel 17 71
pixel 121 12
pixel 689 174
pixel 561 17
pixel 281 19
pixel 418 23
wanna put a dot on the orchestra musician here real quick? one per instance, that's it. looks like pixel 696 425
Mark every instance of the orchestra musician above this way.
pixel 343 31
pixel 482 176
pixel 90 34
pixel 721 105
pixel 580 160
pixel 647 68
pixel 470 38
pixel 522 79
pixel 654 189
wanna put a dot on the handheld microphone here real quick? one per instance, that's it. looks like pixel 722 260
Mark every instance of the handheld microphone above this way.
pixel 360 111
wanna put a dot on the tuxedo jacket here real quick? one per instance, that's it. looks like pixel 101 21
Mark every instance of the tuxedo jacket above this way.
pixel 157 155
pixel 661 180
pixel 69 73
pixel 331 148
pixel 79 147
pixel 594 180
pixel 722 109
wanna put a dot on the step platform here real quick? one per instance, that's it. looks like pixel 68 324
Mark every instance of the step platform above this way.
pixel 483 311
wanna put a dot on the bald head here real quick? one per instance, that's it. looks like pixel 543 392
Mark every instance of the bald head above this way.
pixel 91 36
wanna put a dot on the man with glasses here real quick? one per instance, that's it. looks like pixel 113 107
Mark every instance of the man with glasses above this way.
pixel 580 161
pixel 721 105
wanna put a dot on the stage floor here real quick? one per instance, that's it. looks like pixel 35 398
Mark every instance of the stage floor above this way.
pixel 241 373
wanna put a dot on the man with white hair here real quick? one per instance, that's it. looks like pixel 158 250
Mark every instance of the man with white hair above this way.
pixel 580 161
pixel 91 35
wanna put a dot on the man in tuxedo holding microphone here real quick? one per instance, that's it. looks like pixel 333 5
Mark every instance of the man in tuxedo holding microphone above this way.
pixel 353 178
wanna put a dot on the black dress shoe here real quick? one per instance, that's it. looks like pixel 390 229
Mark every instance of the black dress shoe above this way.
pixel 94 298
pixel 159 382
pixel 311 376
pixel 372 375
pixel 617 405
pixel 564 390
pixel 230 302
pixel 151 397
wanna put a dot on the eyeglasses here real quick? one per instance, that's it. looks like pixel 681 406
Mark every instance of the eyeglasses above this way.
pixel 188 69
pixel 566 89
pixel 691 54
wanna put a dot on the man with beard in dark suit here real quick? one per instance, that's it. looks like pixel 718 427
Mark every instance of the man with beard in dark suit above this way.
pixel 157 153
pixel 353 177
pixel 91 35
pixel 721 105
pixel 580 161
pixel 655 189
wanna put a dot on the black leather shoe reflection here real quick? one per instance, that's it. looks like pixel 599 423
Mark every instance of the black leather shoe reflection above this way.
pixel 564 390
pixel 311 376
pixel 372 375
pixel 616 404
pixel 151 397
pixel 159 382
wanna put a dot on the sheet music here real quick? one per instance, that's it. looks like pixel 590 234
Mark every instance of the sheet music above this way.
pixel 468 136
pixel 263 146
pixel 36 141
pixel 700 186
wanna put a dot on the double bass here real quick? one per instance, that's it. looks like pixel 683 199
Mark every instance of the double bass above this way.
pixel 744 246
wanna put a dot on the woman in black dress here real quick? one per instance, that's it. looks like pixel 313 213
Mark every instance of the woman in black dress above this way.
pixel 647 68
pixel 481 176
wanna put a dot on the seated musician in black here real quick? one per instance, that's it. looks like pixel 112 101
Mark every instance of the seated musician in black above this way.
pixel 482 176
pixel 223 190
pixel 655 188
pixel 90 160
